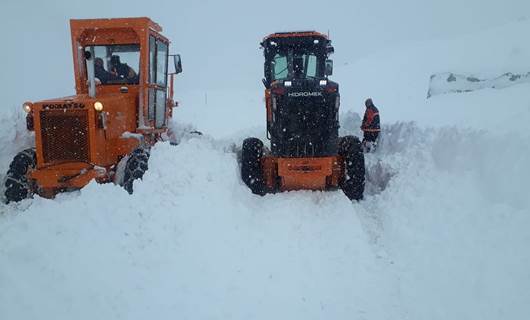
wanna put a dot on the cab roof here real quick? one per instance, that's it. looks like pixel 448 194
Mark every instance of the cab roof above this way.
pixel 112 31
pixel 139 22
pixel 295 34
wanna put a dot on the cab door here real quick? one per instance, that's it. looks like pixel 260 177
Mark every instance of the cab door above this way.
pixel 158 57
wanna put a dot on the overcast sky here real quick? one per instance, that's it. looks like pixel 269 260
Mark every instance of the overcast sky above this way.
pixel 219 40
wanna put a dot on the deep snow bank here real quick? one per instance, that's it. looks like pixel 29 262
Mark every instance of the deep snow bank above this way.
pixel 454 219
pixel 14 136
pixel 192 242
pixel 445 238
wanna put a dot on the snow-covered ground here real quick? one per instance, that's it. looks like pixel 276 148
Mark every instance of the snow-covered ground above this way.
pixel 442 234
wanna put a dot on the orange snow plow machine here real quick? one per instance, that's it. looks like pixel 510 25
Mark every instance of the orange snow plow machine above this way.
pixel 124 98
pixel 302 106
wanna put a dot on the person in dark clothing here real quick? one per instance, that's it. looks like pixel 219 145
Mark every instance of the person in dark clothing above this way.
pixel 371 126
pixel 298 66
pixel 103 75
pixel 122 71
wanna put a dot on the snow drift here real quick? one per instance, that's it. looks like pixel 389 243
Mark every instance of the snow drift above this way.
pixel 192 241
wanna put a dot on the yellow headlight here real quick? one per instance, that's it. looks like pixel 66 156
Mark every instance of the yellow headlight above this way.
pixel 98 106
pixel 26 107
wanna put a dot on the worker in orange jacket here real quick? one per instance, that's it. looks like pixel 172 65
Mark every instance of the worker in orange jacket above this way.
pixel 371 125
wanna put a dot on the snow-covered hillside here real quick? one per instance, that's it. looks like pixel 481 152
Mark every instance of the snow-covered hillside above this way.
pixel 442 234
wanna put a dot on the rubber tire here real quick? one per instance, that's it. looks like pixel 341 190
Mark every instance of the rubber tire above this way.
pixel 251 170
pixel 17 186
pixel 352 184
pixel 135 168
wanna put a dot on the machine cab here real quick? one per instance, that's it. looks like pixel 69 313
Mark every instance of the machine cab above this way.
pixel 117 57
pixel 296 56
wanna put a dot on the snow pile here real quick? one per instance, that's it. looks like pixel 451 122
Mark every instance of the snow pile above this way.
pixel 193 242
pixel 190 242
pixel 14 137
pixel 455 221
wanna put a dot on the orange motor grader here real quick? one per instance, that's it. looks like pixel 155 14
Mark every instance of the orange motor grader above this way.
pixel 302 106
pixel 124 97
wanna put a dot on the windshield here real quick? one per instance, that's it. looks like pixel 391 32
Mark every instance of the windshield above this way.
pixel 294 64
pixel 116 64
pixel 280 67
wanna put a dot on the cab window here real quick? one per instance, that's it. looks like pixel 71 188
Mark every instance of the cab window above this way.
pixel 310 65
pixel 116 64
pixel 280 68
pixel 158 55
pixel 161 64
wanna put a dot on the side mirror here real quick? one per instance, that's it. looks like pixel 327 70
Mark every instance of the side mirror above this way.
pixel 330 49
pixel 266 83
pixel 178 63
pixel 329 67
